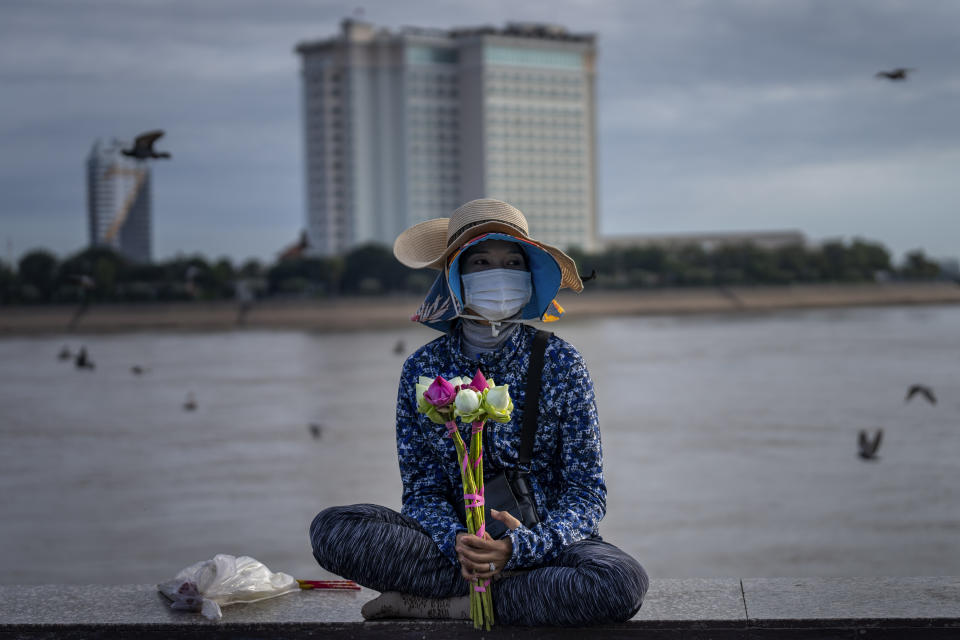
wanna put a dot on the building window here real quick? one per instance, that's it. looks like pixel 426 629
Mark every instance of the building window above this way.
pixel 417 54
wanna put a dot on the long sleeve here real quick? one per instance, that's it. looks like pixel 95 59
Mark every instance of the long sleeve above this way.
pixel 422 473
pixel 582 503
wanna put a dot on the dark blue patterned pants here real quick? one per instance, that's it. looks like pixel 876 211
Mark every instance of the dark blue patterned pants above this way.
pixel 590 582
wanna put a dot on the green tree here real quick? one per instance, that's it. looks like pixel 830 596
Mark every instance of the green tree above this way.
pixel 373 269
pixel 761 266
pixel 8 282
pixel 689 265
pixel 37 273
pixel 868 258
pixel 607 264
pixel 142 282
pixel 252 269
pixel 916 266
pixel 107 268
pixel 846 264
pixel 306 276
pixel 643 266
pixel 797 263
pixel 222 275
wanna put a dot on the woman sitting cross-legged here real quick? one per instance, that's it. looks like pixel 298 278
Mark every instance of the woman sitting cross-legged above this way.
pixel 548 563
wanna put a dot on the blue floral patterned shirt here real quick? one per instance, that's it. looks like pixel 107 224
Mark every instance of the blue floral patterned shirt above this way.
pixel 566 467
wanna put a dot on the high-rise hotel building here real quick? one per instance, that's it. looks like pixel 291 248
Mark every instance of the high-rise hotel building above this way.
pixel 118 201
pixel 402 127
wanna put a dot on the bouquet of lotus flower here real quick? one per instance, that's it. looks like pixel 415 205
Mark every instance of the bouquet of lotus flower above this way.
pixel 472 402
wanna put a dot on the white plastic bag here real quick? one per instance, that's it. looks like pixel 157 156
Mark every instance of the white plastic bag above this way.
pixel 211 584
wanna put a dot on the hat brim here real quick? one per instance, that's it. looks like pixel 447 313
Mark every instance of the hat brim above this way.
pixel 424 245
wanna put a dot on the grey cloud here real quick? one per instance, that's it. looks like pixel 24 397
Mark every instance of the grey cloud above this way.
pixel 696 98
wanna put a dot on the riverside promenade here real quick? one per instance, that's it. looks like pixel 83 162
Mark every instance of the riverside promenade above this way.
pixel 722 609
pixel 390 312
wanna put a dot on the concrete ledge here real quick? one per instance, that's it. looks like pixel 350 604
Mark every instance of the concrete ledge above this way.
pixel 874 608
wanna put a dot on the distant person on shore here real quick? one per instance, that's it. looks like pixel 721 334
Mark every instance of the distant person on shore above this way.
pixel 551 568
pixel 85 284
pixel 244 296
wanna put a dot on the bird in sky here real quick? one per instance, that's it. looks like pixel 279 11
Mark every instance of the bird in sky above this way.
pixel 143 146
pixel 868 447
pixel 925 391
pixel 898 74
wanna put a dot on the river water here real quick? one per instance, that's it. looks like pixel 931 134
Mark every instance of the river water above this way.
pixel 729 444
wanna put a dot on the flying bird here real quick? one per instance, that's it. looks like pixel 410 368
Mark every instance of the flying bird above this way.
pixel 399 348
pixel 868 447
pixel 896 75
pixel 191 402
pixel 926 392
pixel 143 146
pixel 138 370
pixel 315 430
pixel 65 353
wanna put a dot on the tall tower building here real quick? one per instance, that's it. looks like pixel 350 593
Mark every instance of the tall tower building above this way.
pixel 118 201
pixel 403 127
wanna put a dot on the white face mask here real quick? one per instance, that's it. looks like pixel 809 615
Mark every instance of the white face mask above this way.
pixel 497 293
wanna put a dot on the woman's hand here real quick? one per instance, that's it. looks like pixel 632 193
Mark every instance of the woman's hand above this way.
pixel 476 554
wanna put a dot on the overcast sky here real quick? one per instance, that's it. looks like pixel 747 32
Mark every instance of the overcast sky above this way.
pixel 713 115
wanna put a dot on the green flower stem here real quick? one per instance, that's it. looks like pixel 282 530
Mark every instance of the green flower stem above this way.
pixel 476 470
pixel 486 596
pixel 474 520
pixel 481 603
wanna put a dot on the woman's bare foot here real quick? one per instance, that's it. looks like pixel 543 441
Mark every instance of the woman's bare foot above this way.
pixel 393 604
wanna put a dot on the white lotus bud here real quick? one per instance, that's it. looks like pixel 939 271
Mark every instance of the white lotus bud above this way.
pixel 499 397
pixel 467 401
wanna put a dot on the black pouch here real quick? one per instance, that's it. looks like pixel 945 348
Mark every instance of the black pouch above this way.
pixel 509 489
pixel 506 490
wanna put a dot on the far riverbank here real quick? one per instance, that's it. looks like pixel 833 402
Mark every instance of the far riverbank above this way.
pixel 349 314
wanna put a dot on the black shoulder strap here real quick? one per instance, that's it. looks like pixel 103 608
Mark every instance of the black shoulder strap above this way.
pixel 532 402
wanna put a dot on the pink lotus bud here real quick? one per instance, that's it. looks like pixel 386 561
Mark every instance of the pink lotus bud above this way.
pixel 479 383
pixel 440 393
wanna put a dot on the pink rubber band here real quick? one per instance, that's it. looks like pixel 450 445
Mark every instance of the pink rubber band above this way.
pixel 486 583
pixel 482 530
pixel 477 500
pixel 479 458
pixel 451 429
pixel 466 462
pixel 477 427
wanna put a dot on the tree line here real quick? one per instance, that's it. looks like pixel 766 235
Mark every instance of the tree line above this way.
pixel 101 274
pixel 749 264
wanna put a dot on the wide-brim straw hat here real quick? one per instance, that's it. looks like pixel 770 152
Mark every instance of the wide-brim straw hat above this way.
pixel 429 244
